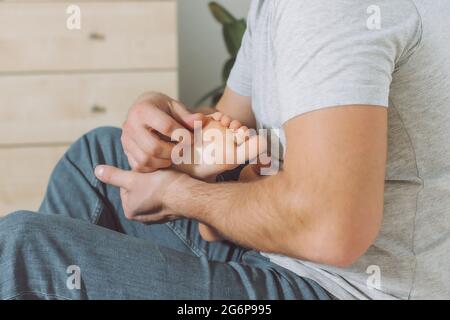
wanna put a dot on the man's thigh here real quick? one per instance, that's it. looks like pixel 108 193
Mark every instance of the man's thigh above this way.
pixel 184 236
pixel 41 255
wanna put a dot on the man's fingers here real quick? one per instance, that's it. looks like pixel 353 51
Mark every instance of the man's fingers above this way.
pixel 178 110
pixel 189 120
pixel 151 144
pixel 161 122
pixel 114 176
pixel 140 162
pixel 184 116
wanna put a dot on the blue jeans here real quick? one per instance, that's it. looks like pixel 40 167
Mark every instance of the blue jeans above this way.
pixel 81 223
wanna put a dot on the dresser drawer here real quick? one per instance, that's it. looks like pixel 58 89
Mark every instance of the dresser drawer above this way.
pixel 113 36
pixel 25 173
pixel 60 108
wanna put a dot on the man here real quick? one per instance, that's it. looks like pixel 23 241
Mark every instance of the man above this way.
pixel 351 83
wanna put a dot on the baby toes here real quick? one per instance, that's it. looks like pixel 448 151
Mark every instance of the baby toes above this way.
pixel 241 135
pixel 235 124
pixel 225 121
pixel 217 116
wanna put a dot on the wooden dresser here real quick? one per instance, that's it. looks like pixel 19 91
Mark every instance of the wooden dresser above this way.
pixel 57 83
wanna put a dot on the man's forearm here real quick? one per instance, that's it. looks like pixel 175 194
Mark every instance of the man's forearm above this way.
pixel 255 214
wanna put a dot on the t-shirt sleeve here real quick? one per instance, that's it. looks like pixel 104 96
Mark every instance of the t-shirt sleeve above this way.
pixel 339 52
pixel 240 79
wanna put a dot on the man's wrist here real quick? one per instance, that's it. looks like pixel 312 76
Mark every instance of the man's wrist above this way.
pixel 178 195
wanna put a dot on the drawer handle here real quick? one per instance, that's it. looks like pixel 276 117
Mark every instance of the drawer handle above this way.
pixel 96 109
pixel 97 36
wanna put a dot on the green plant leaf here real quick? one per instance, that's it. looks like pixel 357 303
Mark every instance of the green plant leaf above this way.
pixel 221 14
pixel 233 34
pixel 227 69
pixel 210 95
pixel 233 31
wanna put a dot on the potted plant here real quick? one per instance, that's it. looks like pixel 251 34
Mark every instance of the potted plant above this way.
pixel 233 30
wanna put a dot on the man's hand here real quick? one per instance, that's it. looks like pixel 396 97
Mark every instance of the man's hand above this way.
pixel 143 194
pixel 148 128
pixel 150 123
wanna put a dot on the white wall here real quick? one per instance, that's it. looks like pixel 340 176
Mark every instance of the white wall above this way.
pixel 202 50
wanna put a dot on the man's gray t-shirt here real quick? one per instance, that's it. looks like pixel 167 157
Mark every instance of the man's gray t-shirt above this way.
pixel 299 56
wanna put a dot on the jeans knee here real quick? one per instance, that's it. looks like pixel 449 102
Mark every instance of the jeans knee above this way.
pixel 16 222
pixel 104 135
pixel 27 227
pixel 99 146
pixel 18 217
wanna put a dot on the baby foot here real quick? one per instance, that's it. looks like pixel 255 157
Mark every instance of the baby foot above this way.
pixel 226 144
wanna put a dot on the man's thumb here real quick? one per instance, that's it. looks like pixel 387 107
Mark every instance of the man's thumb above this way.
pixel 181 113
pixel 190 119
pixel 114 176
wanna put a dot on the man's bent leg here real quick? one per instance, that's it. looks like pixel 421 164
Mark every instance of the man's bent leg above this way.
pixel 74 191
pixel 44 256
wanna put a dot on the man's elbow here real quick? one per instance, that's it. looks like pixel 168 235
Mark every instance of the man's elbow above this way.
pixel 343 256
pixel 337 254
pixel 336 242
